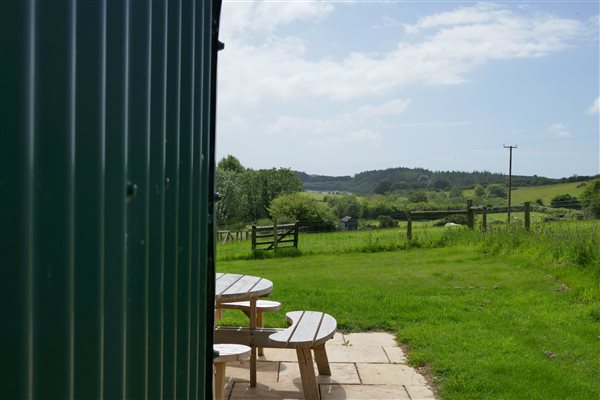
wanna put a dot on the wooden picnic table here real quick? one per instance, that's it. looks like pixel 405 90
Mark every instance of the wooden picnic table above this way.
pixel 238 287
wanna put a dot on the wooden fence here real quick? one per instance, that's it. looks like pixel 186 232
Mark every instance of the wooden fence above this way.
pixel 235 235
pixel 275 237
pixel 470 211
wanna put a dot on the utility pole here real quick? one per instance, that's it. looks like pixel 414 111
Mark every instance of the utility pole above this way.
pixel 509 177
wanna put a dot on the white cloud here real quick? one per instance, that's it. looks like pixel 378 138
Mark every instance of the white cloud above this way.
pixel 359 126
pixel 435 124
pixel 390 108
pixel 460 42
pixel 595 107
pixel 239 17
pixel 560 131
pixel 477 14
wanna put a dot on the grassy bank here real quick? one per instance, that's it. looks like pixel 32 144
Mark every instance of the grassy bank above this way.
pixel 506 315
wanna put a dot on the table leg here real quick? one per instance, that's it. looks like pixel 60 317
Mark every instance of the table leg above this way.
pixel 253 353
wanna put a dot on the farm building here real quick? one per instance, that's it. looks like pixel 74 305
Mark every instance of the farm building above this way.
pixel 348 223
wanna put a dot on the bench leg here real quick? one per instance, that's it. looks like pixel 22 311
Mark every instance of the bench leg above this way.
pixel 307 373
pixel 259 324
pixel 219 381
pixel 253 353
pixel 322 361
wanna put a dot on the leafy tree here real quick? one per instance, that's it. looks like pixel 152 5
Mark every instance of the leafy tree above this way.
pixel 565 201
pixel 230 163
pixel 479 190
pixel 456 192
pixel 382 186
pixel 296 207
pixel 441 184
pixel 497 190
pixel 345 205
pixel 590 199
pixel 417 197
pixel 246 193
pixel 228 185
pixel 385 221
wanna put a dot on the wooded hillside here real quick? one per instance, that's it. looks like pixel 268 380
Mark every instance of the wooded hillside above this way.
pixel 401 178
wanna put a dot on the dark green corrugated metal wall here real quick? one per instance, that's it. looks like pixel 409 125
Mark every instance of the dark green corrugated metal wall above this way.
pixel 106 156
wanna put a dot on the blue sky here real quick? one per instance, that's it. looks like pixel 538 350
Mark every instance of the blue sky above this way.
pixel 336 88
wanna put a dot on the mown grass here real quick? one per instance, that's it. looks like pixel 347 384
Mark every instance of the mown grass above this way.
pixel 505 315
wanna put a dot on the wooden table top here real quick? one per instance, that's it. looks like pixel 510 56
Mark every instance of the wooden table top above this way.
pixel 237 287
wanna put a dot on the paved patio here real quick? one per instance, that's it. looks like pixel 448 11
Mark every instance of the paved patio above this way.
pixel 366 366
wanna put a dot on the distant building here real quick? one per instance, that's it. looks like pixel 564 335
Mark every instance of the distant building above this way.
pixel 348 223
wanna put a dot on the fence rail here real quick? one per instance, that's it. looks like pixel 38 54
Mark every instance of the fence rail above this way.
pixel 470 211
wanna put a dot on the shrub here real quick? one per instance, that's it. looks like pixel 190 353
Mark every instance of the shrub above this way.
pixel 497 190
pixel 460 219
pixel 565 201
pixel 385 221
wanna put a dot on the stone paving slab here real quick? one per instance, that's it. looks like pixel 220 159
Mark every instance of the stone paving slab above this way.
pixel 363 392
pixel 340 373
pixel 364 366
pixel 389 374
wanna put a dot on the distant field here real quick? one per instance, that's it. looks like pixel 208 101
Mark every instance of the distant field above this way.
pixel 522 194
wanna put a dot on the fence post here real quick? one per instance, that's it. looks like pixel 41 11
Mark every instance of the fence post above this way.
pixel 275 234
pixel 527 216
pixel 253 237
pixel 408 225
pixel 296 232
pixel 484 219
pixel 470 215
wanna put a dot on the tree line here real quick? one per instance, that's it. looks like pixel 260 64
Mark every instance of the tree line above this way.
pixel 403 179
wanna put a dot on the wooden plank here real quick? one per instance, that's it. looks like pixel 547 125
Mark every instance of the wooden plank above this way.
pixel 247 284
pixel 225 281
pixel 307 329
pixel 326 330
pixel 239 335
pixel 439 212
pixel 284 336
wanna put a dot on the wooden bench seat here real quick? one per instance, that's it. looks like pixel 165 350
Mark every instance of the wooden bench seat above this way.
pixel 308 330
pixel 227 353
pixel 262 306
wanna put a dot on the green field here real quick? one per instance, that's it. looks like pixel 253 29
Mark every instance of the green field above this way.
pixel 507 315
pixel 531 193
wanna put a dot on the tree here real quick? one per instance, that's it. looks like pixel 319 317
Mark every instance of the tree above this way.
pixel 479 190
pixel 385 221
pixel 456 191
pixel 497 190
pixel 565 201
pixel 382 186
pixel 230 163
pixel 590 199
pixel 417 197
pixel 297 207
pixel 345 205
pixel 228 185
pixel 441 184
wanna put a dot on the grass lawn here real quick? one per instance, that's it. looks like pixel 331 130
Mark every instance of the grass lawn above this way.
pixel 490 327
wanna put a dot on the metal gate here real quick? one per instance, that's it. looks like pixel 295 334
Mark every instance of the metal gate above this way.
pixel 106 163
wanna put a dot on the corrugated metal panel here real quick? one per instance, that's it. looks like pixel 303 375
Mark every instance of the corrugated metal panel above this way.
pixel 106 163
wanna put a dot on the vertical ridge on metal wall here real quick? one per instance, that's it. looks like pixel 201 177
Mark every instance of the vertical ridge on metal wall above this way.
pixel 105 161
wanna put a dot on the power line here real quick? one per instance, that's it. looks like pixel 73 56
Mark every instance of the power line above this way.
pixel 511 147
